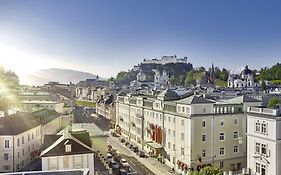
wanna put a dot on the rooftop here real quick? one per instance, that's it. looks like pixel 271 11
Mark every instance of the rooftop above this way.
pixel 54 145
pixel 18 123
pixel 264 111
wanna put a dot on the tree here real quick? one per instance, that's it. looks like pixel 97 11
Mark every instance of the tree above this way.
pixel 208 170
pixel 273 101
pixel 190 79
pixel 263 85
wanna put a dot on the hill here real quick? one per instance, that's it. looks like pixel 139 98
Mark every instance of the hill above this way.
pixel 43 76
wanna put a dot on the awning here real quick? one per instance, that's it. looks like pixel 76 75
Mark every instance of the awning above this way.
pixel 154 145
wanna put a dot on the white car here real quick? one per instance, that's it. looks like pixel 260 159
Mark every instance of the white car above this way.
pixel 124 163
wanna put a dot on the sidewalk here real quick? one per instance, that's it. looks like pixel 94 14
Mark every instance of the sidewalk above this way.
pixel 155 166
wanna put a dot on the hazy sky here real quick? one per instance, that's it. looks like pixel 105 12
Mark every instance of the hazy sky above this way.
pixel 106 36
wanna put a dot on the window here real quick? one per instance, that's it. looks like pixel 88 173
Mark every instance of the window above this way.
pixel 203 153
pixel 203 138
pixel 182 136
pixel 258 126
pixel 23 152
pixel 53 163
pixel 174 119
pixel 6 167
pixel 65 162
pixel 258 147
pixel 263 149
pixel 174 133
pixel 169 131
pixel 174 147
pixel 235 149
pixel 221 136
pixel 183 109
pixel 18 154
pixel 222 151
pixel 169 118
pixel 22 140
pixel 182 122
pixel 6 156
pixel 264 128
pixel 203 123
pixel 235 121
pixel 28 138
pixel 235 134
pixel 221 165
pixel 7 144
pixel 169 144
pixel 18 142
pixel 222 123
pixel 263 169
pixel 182 151
pixel 258 167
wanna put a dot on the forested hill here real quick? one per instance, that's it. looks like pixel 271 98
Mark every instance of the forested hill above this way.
pixel 174 69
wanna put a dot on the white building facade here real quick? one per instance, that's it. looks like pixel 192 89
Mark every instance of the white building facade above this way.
pixel 186 134
pixel 264 141
pixel 20 139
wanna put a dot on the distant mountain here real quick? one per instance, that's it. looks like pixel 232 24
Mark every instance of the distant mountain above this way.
pixel 43 76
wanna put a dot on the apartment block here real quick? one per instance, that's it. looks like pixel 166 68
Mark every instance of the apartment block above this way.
pixel 186 133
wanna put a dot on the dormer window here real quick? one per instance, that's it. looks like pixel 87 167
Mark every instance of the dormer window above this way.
pixel 67 146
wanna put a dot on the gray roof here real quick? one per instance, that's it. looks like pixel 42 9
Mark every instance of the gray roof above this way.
pixel 168 94
pixel 46 116
pixel 242 99
pixel 18 123
pixel 194 100
pixel 80 144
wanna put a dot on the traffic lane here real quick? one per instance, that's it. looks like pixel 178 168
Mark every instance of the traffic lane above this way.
pixel 80 116
pixel 138 167
pixel 128 155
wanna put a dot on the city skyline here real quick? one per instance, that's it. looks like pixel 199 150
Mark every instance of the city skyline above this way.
pixel 105 37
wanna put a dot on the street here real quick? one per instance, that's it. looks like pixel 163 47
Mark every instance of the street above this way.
pixel 82 115
pixel 130 156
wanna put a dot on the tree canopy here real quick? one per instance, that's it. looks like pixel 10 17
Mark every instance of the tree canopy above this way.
pixel 9 83
pixel 208 170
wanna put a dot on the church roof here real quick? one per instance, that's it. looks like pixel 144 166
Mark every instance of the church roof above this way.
pixel 246 71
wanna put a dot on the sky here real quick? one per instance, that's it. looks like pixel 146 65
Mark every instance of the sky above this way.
pixel 106 36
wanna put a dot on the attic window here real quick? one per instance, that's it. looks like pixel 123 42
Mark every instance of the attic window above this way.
pixel 67 146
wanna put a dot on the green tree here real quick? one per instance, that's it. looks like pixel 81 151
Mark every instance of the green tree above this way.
pixel 190 79
pixel 263 85
pixel 273 101
pixel 208 170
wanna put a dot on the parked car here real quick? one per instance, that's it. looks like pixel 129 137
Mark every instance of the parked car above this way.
pixel 122 140
pixel 141 153
pixel 109 157
pixel 135 149
pixel 124 163
pixel 123 172
pixel 127 143
pixel 113 165
pixel 131 147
